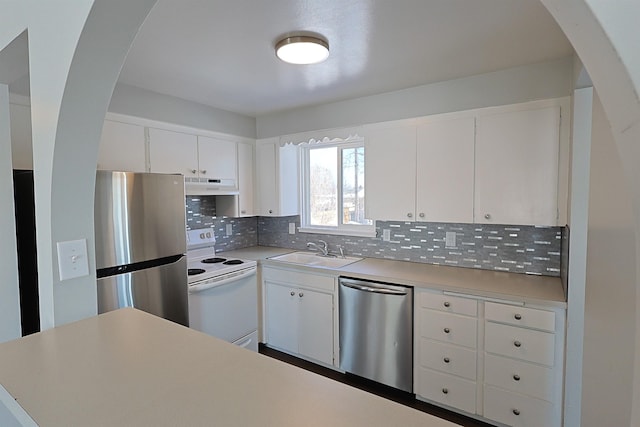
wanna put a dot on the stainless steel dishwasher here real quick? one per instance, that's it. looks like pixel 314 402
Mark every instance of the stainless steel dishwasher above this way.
pixel 376 331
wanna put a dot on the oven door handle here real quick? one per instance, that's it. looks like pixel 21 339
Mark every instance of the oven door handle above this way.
pixel 214 283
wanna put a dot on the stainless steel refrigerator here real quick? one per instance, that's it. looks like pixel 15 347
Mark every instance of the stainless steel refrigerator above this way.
pixel 141 244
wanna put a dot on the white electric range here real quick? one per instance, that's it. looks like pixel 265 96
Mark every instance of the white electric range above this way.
pixel 223 292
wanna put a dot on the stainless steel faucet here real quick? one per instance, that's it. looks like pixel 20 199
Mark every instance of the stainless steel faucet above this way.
pixel 322 247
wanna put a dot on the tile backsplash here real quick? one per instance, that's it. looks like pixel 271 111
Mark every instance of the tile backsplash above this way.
pixel 201 213
pixel 518 249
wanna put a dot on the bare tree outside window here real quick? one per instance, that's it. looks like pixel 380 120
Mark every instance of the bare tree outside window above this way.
pixel 336 186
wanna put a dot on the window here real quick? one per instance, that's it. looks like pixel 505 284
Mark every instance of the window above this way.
pixel 334 191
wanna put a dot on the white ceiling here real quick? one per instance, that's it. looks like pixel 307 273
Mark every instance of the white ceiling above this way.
pixel 220 52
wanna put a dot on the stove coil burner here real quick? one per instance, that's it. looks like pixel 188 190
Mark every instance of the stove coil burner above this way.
pixel 194 271
pixel 233 262
pixel 213 260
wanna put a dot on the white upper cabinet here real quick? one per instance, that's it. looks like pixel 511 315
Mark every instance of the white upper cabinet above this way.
pixel 217 158
pixel 390 171
pixel 245 180
pixel 277 178
pixel 173 152
pixel 122 147
pixel 21 145
pixel 420 171
pixel 499 165
pixel 516 177
pixel 445 170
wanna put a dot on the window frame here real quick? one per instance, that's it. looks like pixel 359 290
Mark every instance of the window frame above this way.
pixel 359 230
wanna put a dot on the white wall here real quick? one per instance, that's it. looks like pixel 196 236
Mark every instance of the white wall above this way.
pixel 520 84
pixel 610 287
pixel 9 296
pixel 134 101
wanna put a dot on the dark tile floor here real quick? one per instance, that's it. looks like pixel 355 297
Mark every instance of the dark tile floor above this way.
pixel 402 397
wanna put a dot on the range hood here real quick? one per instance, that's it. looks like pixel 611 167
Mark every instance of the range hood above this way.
pixel 210 186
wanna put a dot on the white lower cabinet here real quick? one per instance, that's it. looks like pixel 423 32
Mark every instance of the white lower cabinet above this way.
pixel 500 362
pixel 446 350
pixel 299 315
pixel 517 410
pixel 447 389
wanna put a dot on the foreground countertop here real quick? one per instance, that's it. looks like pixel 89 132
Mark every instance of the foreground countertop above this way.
pixel 529 289
pixel 129 368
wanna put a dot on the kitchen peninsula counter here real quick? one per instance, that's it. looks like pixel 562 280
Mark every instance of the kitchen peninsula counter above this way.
pixel 127 367
pixel 531 289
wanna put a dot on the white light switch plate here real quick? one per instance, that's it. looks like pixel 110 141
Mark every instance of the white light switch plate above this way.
pixel 292 228
pixel 229 229
pixel 450 239
pixel 72 259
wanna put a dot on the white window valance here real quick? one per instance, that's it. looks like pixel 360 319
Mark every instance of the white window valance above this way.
pixel 333 136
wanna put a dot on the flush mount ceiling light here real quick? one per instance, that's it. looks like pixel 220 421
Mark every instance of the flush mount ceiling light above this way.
pixel 302 50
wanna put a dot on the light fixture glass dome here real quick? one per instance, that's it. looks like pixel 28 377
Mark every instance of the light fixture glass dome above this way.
pixel 302 50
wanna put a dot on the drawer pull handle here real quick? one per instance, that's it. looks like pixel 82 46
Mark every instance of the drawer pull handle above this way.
pixel 447 304
pixel 516 377
pixel 518 316
pixel 447 330
pixel 445 390
pixel 516 412
pixel 517 343
pixel 446 360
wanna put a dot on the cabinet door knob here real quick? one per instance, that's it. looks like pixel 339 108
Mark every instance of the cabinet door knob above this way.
pixel 447 330
pixel 421 214
pixel 270 211
pixel 243 212
pixel 292 293
pixel 518 316
pixel 487 216
pixel 446 360
pixel 203 171
pixel 445 390
pixel 447 304
pixel 516 412
pixel 409 215
pixel 300 294
pixel 517 343
pixel 516 377
pixel 193 171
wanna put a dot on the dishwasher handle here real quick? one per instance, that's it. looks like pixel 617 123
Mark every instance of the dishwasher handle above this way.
pixel 373 288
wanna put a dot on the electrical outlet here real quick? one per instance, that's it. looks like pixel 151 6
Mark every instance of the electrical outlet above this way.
pixel 229 229
pixel 292 228
pixel 386 235
pixel 450 239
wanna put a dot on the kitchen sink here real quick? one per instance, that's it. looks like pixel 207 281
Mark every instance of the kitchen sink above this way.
pixel 314 260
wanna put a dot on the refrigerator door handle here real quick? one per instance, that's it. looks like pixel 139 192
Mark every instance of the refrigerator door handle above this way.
pixel 213 283
pixel 376 290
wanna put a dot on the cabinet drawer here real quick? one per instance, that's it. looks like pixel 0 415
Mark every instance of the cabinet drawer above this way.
pixel 521 316
pixel 517 410
pixel 299 280
pixel 447 358
pixel 446 389
pixel 450 328
pixel 521 377
pixel 520 343
pixel 450 304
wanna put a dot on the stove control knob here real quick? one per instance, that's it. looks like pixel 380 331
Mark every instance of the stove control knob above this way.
pixel 202 235
pixel 208 234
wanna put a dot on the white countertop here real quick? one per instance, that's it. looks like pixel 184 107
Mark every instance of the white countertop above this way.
pixel 129 368
pixel 531 289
